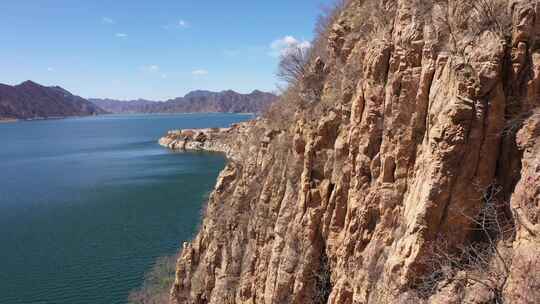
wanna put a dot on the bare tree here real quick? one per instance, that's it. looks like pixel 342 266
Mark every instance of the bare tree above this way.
pixel 293 62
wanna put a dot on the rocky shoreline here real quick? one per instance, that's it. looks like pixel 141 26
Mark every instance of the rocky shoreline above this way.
pixel 209 139
pixel 195 139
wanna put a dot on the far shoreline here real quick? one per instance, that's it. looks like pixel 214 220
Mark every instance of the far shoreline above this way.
pixel 175 113
pixel 14 120
pixel 8 120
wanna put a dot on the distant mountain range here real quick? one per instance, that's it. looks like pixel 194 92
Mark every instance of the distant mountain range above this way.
pixel 196 101
pixel 30 100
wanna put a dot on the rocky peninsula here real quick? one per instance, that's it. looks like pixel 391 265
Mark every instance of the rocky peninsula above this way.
pixel 209 139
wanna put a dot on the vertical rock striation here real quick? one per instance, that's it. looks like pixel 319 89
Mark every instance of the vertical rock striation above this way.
pixel 408 124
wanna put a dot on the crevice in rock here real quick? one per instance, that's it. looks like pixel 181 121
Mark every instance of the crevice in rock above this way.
pixel 323 281
pixel 330 191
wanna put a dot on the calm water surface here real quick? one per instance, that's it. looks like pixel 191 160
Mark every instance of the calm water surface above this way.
pixel 88 204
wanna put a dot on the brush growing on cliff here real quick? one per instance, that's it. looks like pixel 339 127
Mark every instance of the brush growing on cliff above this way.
pixel 366 182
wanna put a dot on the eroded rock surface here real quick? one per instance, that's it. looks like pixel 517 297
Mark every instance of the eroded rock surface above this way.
pixel 345 202
pixel 196 139
pixel 224 140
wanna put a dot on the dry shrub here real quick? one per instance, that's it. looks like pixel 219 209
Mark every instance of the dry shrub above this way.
pixel 378 19
pixel 295 69
pixel 464 22
pixel 323 282
pixel 328 16
pixel 157 283
pixel 481 264
pixel 282 112
pixel 294 63
pixel 485 260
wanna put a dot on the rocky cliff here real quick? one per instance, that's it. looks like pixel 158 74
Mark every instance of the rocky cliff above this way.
pixel 30 100
pixel 211 140
pixel 402 167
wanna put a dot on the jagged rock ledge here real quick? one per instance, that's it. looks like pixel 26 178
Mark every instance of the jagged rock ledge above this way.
pixel 196 139
pixel 209 139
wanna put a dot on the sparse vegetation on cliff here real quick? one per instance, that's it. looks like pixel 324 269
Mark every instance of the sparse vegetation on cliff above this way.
pixel 157 283
pixel 386 173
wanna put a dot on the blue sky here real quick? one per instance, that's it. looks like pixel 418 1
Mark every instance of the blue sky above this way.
pixel 150 49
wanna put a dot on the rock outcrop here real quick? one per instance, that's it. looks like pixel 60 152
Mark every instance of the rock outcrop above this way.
pixel 211 140
pixel 223 140
pixel 416 123
pixel 524 279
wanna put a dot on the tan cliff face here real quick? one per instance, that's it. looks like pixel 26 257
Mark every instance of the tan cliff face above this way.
pixel 386 169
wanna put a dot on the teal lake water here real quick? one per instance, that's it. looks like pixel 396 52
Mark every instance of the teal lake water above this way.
pixel 88 204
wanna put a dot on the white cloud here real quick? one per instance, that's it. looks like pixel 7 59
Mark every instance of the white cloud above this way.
pixel 285 45
pixel 121 35
pixel 199 72
pixel 154 70
pixel 182 23
pixel 150 68
pixel 107 20
pixel 50 69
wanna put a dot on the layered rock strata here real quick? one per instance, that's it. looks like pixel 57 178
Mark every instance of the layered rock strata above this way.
pixel 406 126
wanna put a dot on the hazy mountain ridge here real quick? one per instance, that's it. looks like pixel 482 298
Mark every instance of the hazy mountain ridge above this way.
pixel 30 100
pixel 119 106
pixel 196 101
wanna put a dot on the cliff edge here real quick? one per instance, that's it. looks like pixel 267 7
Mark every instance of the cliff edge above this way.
pixel 402 166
